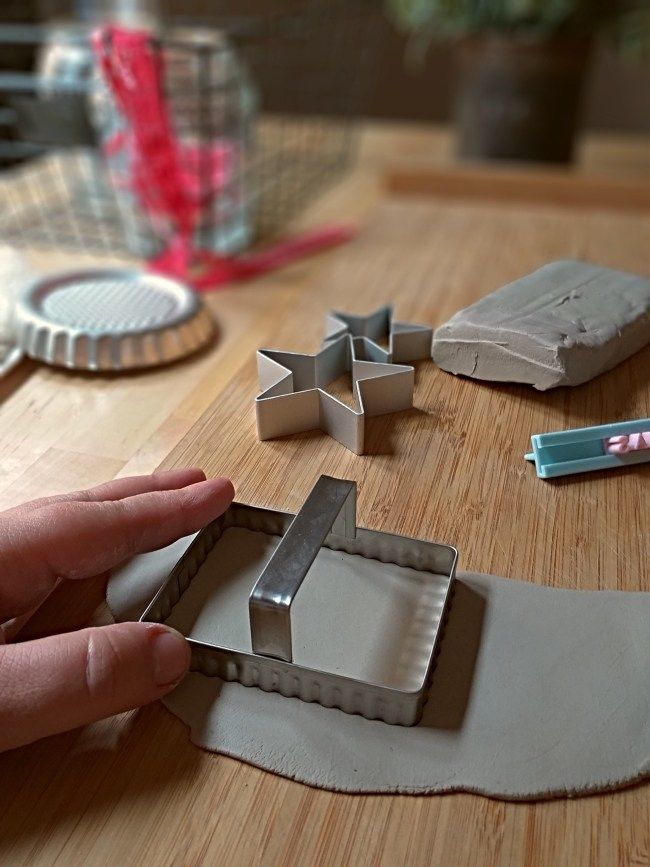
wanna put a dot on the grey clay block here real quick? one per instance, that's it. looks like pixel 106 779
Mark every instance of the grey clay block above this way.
pixel 561 325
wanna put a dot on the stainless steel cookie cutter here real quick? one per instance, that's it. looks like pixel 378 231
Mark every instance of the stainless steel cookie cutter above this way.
pixel 293 397
pixel 109 319
pixel 406 341
pixel 270 656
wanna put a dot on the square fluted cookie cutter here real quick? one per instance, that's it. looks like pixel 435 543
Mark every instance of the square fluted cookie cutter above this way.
pixel 326 520
pixel 293 397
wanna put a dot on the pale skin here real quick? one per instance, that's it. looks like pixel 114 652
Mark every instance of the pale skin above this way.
pixel 60 682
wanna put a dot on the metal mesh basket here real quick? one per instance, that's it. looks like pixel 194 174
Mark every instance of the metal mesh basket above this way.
pixel 302 73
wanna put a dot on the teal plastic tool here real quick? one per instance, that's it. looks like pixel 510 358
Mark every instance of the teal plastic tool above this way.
pixel 584 449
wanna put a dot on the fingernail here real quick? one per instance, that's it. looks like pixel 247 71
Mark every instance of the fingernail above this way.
pixel 225 485
pixel 171 656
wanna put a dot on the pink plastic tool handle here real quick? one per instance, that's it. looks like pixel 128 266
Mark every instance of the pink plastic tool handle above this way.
pixel 621 445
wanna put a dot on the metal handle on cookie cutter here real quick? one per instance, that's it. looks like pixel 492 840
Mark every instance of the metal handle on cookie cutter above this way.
pixel 330 507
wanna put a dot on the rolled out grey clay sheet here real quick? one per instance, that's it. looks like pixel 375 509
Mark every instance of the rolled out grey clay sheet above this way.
pixel 537 692
pixel 561 325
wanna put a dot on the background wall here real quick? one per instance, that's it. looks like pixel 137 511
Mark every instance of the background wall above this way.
pixel 617 97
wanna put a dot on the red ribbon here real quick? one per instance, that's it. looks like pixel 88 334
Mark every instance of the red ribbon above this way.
pixel 164 172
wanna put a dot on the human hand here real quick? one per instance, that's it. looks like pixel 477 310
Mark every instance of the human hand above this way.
pixel 54 684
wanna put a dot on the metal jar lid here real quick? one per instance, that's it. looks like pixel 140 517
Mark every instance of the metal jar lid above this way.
pixel 110 319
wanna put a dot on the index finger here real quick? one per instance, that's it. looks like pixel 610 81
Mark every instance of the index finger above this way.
pixel 118 489
pixel 74 539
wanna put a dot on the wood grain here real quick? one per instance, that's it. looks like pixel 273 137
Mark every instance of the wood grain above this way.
pixel 133 790
pixel 557 188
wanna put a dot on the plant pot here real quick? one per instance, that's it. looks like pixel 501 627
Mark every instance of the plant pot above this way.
pixel 519 98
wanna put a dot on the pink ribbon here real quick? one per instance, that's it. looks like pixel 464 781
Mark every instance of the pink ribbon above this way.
pixel 165 176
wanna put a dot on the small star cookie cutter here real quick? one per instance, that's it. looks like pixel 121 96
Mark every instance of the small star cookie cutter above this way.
pixel 293 397
pixel 406 341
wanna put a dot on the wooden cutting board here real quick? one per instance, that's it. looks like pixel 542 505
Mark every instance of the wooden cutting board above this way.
pixel 451 469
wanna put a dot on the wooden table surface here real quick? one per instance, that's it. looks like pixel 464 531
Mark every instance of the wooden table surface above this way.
pixel 133 790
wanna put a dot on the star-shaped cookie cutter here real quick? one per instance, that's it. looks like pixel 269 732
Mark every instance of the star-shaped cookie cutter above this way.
pixel 406 341
pixel 293 397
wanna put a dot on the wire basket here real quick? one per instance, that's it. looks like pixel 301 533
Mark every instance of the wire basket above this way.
pixel 271 96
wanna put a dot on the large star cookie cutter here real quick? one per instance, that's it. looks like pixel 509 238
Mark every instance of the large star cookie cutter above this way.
pixel 406 341
pixel 293 397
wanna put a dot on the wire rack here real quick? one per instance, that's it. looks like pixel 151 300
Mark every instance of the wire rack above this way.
pixel 304 73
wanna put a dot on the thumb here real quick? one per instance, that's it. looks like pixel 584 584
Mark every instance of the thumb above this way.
pixel 57 683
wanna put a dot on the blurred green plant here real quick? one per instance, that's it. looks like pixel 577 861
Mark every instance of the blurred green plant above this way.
pixel 627 22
